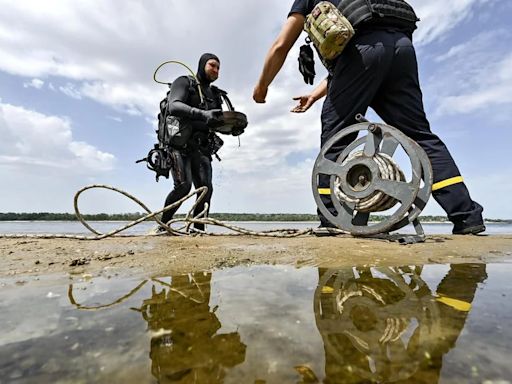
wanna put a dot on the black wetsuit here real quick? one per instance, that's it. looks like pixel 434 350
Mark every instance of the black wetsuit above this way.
pixel 378 69
pixel 192 163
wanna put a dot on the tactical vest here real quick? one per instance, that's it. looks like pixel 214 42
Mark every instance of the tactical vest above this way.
pixel 392 13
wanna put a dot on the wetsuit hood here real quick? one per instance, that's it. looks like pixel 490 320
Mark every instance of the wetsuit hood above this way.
pixel 201 74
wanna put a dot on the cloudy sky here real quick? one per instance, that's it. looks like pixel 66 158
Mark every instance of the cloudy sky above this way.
pixel 78 105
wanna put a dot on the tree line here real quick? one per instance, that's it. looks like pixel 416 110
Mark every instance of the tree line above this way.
pixel 48 216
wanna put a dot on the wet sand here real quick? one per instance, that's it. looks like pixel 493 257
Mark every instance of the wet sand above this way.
pixel 169 255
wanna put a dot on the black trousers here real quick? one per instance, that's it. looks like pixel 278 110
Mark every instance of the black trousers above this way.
pixel 378 69
pixel 189 168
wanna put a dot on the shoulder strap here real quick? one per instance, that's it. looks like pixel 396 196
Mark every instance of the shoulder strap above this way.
pixel 223 95
pixel 195 86
pixel 163 105
pixel 192 81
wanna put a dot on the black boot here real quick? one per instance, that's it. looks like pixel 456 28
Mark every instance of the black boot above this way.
pixel 471 224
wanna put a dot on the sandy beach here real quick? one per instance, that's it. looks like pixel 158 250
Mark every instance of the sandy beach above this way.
pixel 169 255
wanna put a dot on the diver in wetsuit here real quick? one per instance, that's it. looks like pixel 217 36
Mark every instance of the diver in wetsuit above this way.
pixel 192 161
pixel 193 347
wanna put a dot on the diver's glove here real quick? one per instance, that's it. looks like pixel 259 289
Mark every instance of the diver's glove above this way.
pixel 213 118
pixel 307 64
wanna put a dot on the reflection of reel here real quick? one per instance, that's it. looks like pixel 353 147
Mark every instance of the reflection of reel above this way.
pixel 386 321
pixel 369 180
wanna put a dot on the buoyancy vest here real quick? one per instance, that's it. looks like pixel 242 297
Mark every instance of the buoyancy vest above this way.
pixel 177 132
pixel 392 13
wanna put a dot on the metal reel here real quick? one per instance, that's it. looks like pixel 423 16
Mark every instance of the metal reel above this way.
pixel 356 178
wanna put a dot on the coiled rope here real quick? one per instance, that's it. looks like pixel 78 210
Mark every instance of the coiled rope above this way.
pixel 377 201
pixel 186 222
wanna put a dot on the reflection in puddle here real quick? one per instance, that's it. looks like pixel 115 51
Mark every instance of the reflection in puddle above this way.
pixel 263 325
pixel 385 324
pixel 187 346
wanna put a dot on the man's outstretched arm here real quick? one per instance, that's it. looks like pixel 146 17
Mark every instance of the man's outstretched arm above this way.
pixel 277 54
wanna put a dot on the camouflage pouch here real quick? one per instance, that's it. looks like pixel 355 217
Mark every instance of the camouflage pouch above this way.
pixel 328 29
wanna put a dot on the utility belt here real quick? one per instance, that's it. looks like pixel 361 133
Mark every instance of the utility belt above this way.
pixel 330 28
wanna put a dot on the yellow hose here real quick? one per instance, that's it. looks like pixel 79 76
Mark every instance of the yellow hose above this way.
pixel 188 68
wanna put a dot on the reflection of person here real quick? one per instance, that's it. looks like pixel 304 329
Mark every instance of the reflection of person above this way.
pixel 459 287
pixel 187 348
pixel 377 69
pixel 192 162
pixel 385 325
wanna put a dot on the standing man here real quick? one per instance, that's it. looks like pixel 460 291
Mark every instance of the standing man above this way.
pixel 377 69
pixel 192 161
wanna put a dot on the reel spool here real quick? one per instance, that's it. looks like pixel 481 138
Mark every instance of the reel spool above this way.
pixel 365 178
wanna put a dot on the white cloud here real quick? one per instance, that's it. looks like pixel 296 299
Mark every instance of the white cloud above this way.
pixel 133 99
pixel 478 72
pixel 70 90
pixel 280 187
pixel 34 83
pixel 438 17
pixel 110 57
pixel 115 118
pixel 114 55
pixel 32 139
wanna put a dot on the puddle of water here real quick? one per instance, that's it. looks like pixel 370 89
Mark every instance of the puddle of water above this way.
pixel 263 324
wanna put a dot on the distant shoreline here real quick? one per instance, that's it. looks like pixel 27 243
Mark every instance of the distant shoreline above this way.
pixel 237 217
pixel 487 222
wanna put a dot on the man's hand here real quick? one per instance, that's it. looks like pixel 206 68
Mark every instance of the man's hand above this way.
pixel 307 64
pixel 305 102
pixel 259 94
pixel 214 118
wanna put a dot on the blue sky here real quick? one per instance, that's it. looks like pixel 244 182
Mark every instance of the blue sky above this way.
pixel 78 105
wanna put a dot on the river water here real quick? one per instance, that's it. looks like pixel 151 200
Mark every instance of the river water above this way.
pixel 72 227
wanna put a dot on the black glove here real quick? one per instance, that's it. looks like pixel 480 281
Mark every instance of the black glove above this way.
pixel 213 118
pixel 307 64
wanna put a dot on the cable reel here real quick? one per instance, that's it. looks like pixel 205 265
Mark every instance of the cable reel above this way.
pixel 366 178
